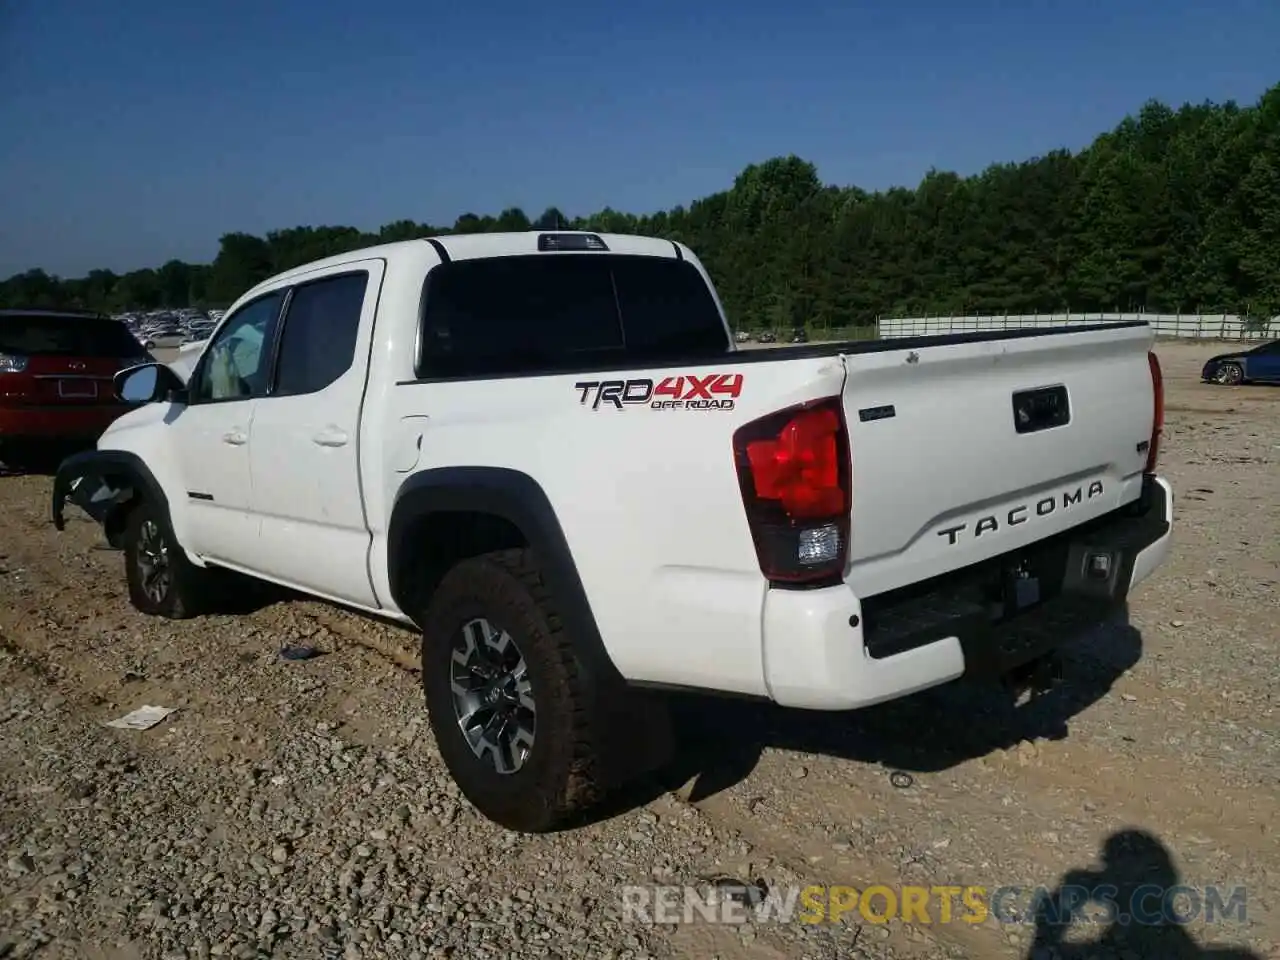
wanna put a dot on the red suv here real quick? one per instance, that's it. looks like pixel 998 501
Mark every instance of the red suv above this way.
pixel 55 377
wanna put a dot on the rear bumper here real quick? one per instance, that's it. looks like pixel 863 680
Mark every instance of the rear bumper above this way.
pixel 827 650
pixel 57 422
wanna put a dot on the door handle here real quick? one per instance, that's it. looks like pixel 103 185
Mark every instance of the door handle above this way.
pixel 330 437
pixel 235 437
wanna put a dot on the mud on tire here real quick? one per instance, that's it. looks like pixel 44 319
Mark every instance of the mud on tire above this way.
pixel 507 703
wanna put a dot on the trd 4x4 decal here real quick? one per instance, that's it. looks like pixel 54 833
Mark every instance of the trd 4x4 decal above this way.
pixel 692 391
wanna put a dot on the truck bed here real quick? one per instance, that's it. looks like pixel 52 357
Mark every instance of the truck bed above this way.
pixel 943 476
pixel 857 347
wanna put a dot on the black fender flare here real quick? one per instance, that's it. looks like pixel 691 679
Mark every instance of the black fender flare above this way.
pixel 517 498
pixel 90 468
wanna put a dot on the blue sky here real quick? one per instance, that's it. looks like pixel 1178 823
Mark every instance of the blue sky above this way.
pixel 140 130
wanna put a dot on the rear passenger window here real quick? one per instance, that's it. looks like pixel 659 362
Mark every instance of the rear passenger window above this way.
pixel 667 308
pixel 547 313
pixel 507 313
pixel 320 328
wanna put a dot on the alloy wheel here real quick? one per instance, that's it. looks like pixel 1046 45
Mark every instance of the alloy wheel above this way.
pixel 492 696
pixel 153 562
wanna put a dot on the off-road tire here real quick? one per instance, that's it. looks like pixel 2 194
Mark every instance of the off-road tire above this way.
pixel 558 780
pixel 190 588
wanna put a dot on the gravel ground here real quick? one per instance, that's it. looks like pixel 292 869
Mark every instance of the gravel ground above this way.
pixel 300 809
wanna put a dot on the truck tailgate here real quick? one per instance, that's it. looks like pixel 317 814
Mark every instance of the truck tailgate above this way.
pixel 961 452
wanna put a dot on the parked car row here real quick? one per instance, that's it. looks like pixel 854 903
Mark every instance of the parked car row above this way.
pixel 798 335
pixel 186 325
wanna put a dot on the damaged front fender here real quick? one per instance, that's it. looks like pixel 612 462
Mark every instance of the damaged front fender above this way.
pixel 102 483
pixel 80 480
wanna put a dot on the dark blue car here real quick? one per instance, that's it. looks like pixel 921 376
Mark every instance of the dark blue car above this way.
pixel 1260 364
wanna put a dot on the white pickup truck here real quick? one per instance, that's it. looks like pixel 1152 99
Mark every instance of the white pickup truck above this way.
pixel 546 451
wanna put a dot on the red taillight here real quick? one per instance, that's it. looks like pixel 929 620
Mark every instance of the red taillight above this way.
pixel 13 363
pixel 1157 419
pixel 15 382
pixel 794 473
pixel 800 467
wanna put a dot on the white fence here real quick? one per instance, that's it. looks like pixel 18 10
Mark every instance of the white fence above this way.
pixel 1194 326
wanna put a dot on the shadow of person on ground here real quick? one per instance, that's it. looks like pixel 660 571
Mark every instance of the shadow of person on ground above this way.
pixel 1137 890
pixel 719 740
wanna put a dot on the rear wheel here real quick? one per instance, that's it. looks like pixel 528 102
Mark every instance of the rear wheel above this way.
pixel 509 710
pixel 162 581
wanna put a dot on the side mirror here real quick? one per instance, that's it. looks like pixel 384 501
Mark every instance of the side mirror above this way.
pixel 147 383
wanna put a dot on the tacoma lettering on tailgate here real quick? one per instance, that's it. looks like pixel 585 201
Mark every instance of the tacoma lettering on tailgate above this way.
pixel 691 391
pixel 1023 511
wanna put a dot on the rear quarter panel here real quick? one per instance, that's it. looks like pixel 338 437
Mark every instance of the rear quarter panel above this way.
pixel 648 499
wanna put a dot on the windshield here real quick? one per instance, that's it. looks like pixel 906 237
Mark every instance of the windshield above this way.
pixel 34 335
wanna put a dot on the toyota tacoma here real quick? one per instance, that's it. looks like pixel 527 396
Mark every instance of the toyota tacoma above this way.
pixel 546 453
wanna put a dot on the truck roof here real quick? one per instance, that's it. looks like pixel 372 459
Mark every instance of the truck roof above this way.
pixel 475 246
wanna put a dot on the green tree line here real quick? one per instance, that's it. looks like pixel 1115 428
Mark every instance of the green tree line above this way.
pixel 1173 210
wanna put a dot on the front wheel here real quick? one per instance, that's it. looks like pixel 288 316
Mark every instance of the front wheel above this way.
pixel 509 710
pixel 1228 374
pixel 162 581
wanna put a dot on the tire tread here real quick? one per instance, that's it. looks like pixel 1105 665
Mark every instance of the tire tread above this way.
pixel 512 577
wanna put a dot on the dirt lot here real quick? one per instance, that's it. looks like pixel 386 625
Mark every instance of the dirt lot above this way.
pixel 299 809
